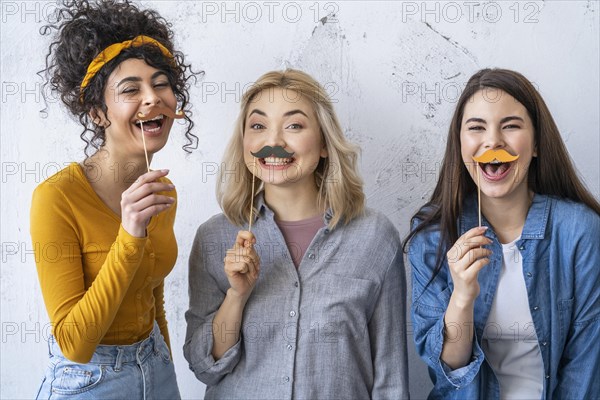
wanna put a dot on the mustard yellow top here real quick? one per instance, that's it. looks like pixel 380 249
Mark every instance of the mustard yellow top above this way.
pixel 100 284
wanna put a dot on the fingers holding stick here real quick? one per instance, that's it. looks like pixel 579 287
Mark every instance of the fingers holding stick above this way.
pixel 242 264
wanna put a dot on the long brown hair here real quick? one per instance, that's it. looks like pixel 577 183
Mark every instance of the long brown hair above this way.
pixel 551 172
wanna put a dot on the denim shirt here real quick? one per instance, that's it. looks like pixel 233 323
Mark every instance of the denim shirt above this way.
pixel 560 250
pixel 332 328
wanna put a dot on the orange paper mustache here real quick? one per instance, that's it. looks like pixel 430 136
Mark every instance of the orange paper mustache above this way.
pixel 161 110
pixel 501 156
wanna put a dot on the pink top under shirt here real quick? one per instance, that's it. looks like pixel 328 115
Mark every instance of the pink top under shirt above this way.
pixel 299 234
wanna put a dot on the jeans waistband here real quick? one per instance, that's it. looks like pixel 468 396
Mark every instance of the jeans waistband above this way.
pixel 118 354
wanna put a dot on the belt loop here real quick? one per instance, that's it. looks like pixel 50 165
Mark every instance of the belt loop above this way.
pixel 118 363
pixel 154 342
pixel 154 335
pixel 49 346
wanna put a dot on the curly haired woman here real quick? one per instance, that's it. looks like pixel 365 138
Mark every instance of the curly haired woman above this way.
pixel 109 219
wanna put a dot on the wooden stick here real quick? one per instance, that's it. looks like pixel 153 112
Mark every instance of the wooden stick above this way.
pixel 252 198
pixel 478 194
pixel 145 150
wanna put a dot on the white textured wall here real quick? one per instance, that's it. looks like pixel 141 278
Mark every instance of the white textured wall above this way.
pixel 392 68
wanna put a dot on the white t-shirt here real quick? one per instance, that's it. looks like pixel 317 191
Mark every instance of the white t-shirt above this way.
pixel 510 342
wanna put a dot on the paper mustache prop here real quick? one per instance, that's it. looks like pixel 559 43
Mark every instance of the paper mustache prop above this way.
pixel 156 114
pixel 275 151
pixel 494 157
pixel 161 110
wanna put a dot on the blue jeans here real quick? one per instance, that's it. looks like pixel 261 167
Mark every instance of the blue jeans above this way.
pixel 143 370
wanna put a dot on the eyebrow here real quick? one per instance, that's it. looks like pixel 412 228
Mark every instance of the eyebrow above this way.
pixel 502 121
pixel 510 118
pixel 138 79
pixel 257 111
pixel 287 114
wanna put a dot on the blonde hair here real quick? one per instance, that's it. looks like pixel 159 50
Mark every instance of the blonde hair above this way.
pixel 338 182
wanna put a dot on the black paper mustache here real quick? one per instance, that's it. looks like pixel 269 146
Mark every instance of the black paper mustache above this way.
pixel 276 151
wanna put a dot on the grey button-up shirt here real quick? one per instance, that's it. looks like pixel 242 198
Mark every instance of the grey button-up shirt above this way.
pixel 332 329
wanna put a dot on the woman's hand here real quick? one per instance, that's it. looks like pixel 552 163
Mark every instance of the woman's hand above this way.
pixel 141 201
pixel 465 259
pixel 242 265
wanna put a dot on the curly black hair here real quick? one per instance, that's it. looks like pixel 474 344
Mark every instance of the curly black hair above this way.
pixel 82 30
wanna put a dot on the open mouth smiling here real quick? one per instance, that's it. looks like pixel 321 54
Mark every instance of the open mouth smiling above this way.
pixel 276 161
pixel 495 164
pixel 495 169
pixel 152 125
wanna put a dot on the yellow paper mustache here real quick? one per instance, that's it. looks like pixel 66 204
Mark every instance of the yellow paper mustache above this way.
pixel 500 155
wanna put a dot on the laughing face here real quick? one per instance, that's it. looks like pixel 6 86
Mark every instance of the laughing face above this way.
pixel 283 133
pixel 135 87
pixel 497 137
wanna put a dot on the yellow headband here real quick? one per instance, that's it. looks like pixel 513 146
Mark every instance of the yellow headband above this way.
pixel 114 50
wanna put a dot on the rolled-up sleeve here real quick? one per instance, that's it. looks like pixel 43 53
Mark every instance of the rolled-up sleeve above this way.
pixel 429 304
pixel 205 299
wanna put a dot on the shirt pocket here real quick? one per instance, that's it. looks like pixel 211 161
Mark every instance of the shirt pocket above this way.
pixel 74 378
pixel 345 303
pixel 565 313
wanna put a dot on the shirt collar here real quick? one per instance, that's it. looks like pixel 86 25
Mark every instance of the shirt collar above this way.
pixel 535 223
pixel 263 209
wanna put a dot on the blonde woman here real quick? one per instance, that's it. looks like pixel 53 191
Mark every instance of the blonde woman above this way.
pixel 311 302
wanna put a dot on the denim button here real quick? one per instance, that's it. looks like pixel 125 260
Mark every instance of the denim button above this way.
pixel 292 313
pixel 296 284
pixel 311 256
pixel 529 274
pixel 289 347
pixel 536 308
pixel 544 343
pixel 522 248
pixel 326 231
pixel 286 378
pixel 547 376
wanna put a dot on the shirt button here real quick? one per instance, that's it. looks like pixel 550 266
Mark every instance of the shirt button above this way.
pixel 536 308
pixel 151 255
pixel 138 296
pixel 547 376
pixel 544 343
pixel 326 231
pixel 529 274
pixel 289 347
pixel 286 378
pixel 311 256
pixel 521 247
pixel 149 279
pixel 140 319
pixel 292 313
pixel 296 284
